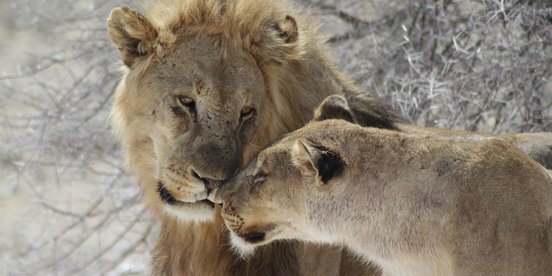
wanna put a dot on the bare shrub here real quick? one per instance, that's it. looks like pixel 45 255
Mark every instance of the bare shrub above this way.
pixel 73 209
pixel 476 65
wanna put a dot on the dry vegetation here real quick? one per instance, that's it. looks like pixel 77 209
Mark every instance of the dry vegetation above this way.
pixel 67 205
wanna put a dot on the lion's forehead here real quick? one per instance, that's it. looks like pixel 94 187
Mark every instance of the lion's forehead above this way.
pixel 212 53
pixel 209 73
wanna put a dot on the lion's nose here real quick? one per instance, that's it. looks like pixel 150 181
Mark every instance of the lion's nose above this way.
pixel 215 162
pixel 210 184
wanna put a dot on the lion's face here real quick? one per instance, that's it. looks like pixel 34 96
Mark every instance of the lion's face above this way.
pixel 195 103
pixel 204 114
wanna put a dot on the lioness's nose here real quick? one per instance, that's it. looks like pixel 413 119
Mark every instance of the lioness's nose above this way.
pixel 231 190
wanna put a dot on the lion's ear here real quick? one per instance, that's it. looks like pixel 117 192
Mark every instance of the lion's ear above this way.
pixel 316 161
pixel 279 42
pixel 287 30
pixel 334 107
pixel 132 33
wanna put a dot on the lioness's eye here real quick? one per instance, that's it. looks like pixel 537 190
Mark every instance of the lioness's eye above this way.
pixel 246 112
pixel 259 177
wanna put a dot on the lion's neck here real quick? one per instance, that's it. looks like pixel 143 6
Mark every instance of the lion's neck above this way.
pixel 310 80
pixel 297 89
pixel 302 85
pixel 191 248
pixel 320 77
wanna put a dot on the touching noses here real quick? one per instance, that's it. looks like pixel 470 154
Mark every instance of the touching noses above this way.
pixel 230 191
pixel 210 184
pixel 213 164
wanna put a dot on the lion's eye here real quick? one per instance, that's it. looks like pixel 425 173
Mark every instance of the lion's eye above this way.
pixel 247 112
pixel 259 177
pixel 186 103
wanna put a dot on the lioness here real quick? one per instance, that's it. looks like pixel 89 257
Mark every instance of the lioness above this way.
pixel 413 204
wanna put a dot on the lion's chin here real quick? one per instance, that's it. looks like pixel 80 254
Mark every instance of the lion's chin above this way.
pixel 201 211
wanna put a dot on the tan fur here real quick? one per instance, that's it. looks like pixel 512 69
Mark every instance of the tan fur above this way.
pixel 538 145
pixel 227 57
pixel 414 204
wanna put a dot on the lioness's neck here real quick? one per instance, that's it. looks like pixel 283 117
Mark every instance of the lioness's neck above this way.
pixel 173 252
pixel 388 223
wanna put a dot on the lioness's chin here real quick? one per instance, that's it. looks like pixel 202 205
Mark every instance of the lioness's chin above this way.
pixel 241 247
pixel 201 211
pixel 246 243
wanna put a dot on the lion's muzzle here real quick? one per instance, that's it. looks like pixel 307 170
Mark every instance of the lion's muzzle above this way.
pixel 168 198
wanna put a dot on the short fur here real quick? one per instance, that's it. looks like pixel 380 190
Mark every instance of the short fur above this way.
pixel 413 204
pixel 538 145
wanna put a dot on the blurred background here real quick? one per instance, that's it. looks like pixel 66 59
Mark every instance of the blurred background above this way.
pixel 67 205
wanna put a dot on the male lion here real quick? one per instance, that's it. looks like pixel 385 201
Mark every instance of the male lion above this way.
pixel 207 83
pixel 413 204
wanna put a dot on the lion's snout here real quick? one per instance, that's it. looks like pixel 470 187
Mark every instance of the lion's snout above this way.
pixel 213 163
pixel 197 178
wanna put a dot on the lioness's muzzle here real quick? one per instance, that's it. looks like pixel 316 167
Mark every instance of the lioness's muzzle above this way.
pixel 227 189
pixel 215 196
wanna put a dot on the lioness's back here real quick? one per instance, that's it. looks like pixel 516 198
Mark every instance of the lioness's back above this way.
pixel 503 212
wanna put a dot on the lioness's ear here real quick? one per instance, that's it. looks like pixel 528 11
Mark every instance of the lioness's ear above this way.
pixel 132 33
pixel 279 42
pixel 334 107
pixel 316 161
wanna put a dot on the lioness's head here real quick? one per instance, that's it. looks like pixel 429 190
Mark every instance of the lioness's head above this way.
pixel 196 100
pixel 277 195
